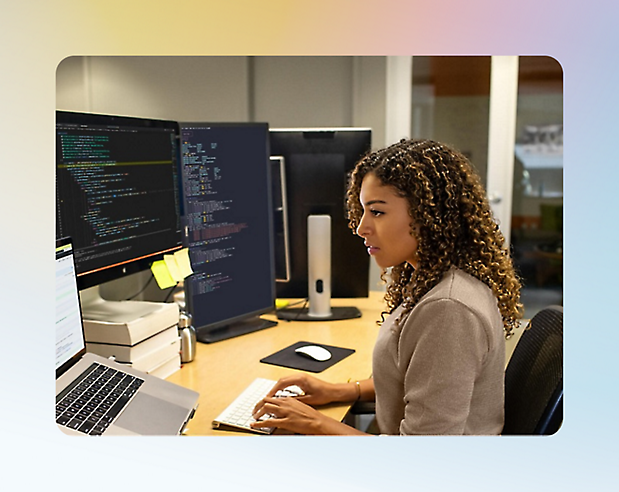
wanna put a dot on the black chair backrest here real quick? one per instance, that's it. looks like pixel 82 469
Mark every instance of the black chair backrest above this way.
pixel 534 377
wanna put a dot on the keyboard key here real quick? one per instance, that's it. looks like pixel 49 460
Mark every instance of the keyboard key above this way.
pixel 86 427
pixel 118 406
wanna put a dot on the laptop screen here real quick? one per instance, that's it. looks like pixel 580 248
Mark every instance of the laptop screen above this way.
pixel 70 342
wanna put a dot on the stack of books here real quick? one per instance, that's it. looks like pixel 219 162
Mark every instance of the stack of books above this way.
pixel 143 336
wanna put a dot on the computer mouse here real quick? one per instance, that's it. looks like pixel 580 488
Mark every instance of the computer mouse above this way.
pixel 314 352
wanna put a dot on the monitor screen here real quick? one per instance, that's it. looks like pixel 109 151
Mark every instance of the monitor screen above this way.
pixel 116 192
pixel 70 343
pixel 228 216
pixel 317 164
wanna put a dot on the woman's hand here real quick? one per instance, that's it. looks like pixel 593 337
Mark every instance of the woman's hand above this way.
pixel 316 392
pixel 294 413
pixel 290 414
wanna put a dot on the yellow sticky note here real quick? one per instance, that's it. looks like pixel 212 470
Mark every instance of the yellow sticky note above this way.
pixel 175 273
pixel 162 275
pixel 183 262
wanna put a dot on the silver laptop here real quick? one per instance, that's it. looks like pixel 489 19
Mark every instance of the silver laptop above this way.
pixel 97 396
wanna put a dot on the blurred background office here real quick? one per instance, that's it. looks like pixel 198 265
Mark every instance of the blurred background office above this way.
pixel 504 113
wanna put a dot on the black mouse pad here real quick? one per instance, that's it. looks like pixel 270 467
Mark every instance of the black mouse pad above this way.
pixel 289 358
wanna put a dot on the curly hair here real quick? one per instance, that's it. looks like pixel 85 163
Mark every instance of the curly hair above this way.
pixel 455 225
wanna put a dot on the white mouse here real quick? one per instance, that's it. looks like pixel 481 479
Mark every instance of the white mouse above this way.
pixel 314 352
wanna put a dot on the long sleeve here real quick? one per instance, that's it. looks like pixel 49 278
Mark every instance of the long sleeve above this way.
pixel 441 371
pixel 441 360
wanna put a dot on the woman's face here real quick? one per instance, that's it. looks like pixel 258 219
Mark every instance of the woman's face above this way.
pixel 386 224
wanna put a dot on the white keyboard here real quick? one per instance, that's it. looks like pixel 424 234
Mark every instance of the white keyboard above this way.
pixel 239 413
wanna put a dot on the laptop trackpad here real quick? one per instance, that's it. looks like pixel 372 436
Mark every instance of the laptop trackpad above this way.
pixel 148 415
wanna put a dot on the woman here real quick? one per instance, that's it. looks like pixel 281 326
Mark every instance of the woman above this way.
pixel 452 297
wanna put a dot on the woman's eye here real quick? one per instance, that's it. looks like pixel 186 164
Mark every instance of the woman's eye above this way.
pixel 376 213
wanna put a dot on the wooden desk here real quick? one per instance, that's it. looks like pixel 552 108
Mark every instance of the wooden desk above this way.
pixel 222 370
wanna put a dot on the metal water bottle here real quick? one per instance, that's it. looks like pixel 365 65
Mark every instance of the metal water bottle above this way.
pixel 187 334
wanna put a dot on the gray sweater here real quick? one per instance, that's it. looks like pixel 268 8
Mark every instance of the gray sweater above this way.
pixel 442 370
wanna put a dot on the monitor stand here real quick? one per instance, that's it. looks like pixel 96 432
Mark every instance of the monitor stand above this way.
pixel 303 314
pixel 319 278
pixel 232 330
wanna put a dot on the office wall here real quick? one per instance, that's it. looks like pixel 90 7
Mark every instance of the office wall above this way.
pixel 285 91
pixel 176 88
pixel 292 91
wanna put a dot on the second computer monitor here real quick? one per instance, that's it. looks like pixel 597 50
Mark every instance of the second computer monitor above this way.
pixel 228 219
pixel 317 164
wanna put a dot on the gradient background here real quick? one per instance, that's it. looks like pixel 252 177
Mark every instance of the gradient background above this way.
pixel 36 35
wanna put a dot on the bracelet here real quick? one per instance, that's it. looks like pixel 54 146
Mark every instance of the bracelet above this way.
pixel 358 390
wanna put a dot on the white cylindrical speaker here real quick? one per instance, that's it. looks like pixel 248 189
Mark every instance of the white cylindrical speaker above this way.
pixel 319 265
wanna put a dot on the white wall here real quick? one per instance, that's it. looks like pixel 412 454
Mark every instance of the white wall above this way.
pixel 284 91
pixel 293 91
pixel 176 88
pixel 370 96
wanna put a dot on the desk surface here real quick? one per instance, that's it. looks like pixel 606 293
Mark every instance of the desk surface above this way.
pixel 221 371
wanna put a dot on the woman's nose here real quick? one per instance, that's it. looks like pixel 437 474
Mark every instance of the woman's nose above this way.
pixel 362 229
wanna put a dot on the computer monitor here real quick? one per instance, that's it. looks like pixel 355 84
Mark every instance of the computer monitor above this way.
pixel 116 193
pixel 228 218
pixel 318 162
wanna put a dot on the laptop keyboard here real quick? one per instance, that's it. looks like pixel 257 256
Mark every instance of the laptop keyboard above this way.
pixel 92 402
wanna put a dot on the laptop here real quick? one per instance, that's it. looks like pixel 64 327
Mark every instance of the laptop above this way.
pixel 113 399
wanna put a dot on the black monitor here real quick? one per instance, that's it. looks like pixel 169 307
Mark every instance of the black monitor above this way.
pixel 317 164
pixel 228 221
pixel 116 192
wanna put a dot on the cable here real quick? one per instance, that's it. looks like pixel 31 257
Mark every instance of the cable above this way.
pixel 172 289
pixel 301 310
pixel 142 289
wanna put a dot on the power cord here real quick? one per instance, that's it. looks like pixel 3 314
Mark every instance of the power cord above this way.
pixel 142 289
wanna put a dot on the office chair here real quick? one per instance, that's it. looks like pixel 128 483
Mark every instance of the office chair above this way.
pixel 534 377
pixel 360 414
